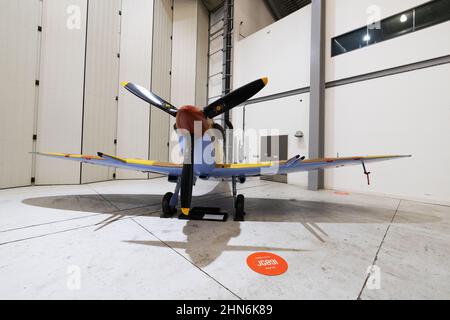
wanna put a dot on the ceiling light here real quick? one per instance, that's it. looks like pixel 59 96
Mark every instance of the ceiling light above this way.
pixel 366 38
pixel 403 18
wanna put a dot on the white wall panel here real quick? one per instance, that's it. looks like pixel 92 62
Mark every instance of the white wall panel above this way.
pixel 61 89
pixel 403 114
pixel 184 52
pixel 349 15
pixel 184 58
pixel 250 16
pixel 101 87
pixel 162 64
pixel 201 81
pixel 283 116
pixel 18 26
pixel 135 66
pixel 280 51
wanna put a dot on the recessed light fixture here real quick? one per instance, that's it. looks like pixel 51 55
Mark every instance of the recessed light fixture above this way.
pixel 403 18
pixel 366 38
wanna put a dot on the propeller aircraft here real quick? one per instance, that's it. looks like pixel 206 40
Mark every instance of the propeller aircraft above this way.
pixel 193 125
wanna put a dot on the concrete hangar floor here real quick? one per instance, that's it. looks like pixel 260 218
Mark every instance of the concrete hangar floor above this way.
pixel 106 241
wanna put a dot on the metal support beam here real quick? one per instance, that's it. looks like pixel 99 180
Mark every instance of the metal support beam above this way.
pixel 317 95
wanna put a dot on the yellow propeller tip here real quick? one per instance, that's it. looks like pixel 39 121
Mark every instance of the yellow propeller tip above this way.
pixel 124 84
pixel 265 80
pixel 185 211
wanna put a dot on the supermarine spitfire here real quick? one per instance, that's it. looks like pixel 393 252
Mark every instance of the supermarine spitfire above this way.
pixel 193 125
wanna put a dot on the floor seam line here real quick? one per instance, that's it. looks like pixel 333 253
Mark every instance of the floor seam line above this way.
pixel 79 218
pixel 73 229
pixel 203 271
pixel 379 249
pixel 101 196
pixel 214 196
pixel 49 234
pixel 52 222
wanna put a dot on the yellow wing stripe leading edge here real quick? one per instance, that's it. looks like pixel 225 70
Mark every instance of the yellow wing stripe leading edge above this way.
pixel 279 163
pixel 128 161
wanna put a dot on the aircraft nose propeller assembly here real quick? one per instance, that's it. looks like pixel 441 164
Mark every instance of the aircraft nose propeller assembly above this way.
pixel 185 119
pixel 185 175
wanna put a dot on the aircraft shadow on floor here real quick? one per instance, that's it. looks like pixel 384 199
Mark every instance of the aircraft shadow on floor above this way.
pixel 217 235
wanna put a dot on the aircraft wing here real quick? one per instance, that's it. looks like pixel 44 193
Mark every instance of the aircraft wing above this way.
pixel 295 164
pixel 164 168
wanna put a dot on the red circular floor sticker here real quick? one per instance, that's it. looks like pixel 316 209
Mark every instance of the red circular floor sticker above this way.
pixel 266 263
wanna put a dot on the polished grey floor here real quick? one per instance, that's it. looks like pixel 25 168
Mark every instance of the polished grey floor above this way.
pixel 106 240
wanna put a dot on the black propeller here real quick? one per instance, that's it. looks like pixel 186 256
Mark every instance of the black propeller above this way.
pixel 234 98
pixel 187 175
pixel 150 97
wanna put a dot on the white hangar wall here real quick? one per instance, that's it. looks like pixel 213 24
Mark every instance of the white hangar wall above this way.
pixel 18 65
pixel 403 114
pixel 101 85
pixel 74 107
pixel 250 16
pixel 60 106
pixel 145 59
pixel 280 51
pixel 399 114
pixel 275 52
pixel 133 123
pixel 189 59
pixel 267 118
pixel 349 15
pixel 161 78
pixel 190 53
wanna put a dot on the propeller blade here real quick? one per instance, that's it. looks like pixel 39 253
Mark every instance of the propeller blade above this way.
pixel 234 98
pixel 150 97
pixel 187 176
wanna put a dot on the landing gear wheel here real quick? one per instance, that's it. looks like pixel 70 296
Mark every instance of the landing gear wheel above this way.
pixel 239 208
pixel 167 210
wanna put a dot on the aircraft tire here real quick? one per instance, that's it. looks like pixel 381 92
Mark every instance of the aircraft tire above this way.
pixel 239 208
pixel 167 210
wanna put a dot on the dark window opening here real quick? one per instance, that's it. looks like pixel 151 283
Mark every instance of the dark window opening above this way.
pixel 432 14
pixel 429 14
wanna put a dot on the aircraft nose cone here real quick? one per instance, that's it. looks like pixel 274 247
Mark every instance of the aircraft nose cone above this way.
pixel 187 116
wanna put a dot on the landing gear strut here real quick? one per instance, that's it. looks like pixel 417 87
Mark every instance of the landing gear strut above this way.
pixel 239 200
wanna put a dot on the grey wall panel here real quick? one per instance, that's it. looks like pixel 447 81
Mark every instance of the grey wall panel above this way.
pixel 135 66
pixel 162 64
pixel 18 52
pixel 201 82
pixel 61 89
pixel 101 86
